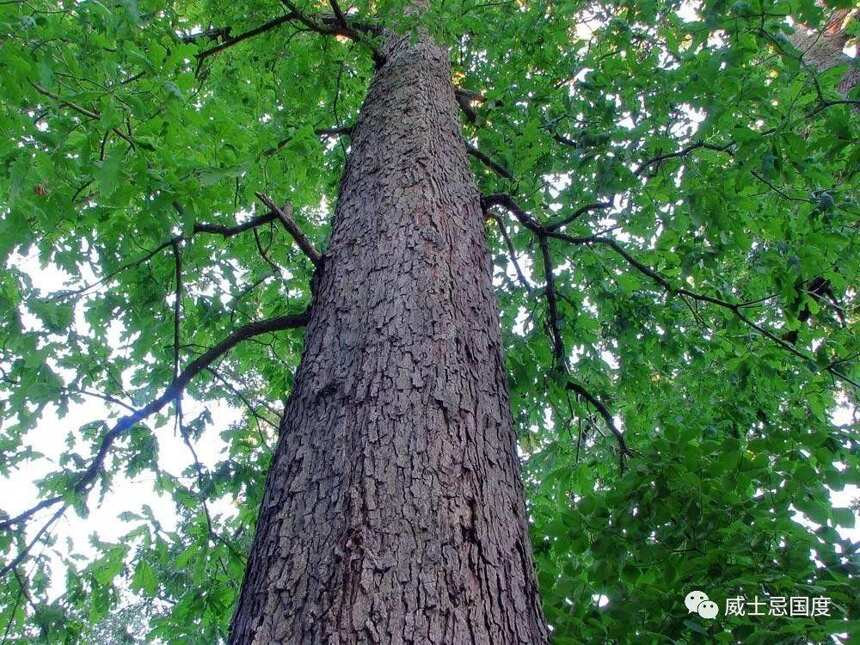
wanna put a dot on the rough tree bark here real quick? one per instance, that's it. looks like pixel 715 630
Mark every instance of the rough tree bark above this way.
pixel 823 49
pixel 394 510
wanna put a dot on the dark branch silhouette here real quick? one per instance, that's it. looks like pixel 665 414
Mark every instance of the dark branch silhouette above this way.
pixel 176 387
pixel 284 214
pixel 623 450
pixel 735 308
pixel 487 161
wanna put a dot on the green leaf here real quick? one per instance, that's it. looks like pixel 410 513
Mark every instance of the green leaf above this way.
pixel 145 578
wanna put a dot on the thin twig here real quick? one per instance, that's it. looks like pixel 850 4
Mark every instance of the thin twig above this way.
pixel 511 251
pixel 18 559
pixel 552 226
pixel 91 114
pixel 623 450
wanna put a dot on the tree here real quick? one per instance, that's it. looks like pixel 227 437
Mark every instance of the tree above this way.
pixel 668 195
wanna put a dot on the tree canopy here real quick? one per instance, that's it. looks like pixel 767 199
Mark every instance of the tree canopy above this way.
pixel 671 192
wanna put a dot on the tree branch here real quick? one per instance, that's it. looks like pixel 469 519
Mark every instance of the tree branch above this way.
pixel 552 305
pixel 12 613
pixel 90 114
pixel 264 252
pixel 464 100
pixel 484 159
pixel 345 130
pixel 507 202
pixel 215 229
pixel 779 191
pixel 170 393
pixel 733 307
pixel 98 395
pixel 565 140
pixel 230 231
pixel 338 25
pixel 198 468
pixel 623 450
pixel 177 307
pixel 250 406
pixel 511 250
pixel 830 103
pixel 301 240
pixel 212 34
pixel 335 132
pixel 235 40
pixel 533 225
pixel 22 554
pixel 682 153
pixel 552 226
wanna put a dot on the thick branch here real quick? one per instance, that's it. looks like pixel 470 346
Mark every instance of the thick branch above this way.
pixel 285 216
pixel 830 103
pixel 336 25
pixel 170 393
pixel 565 140
pixel 552 305
pixel 230 231
pixel 335 7
pixel 464 100
pixel 235 40
pixel 507 202
pixel 335 132
pixel 215 33
pixel 484 159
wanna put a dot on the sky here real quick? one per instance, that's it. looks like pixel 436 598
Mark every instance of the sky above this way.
pixel 19 492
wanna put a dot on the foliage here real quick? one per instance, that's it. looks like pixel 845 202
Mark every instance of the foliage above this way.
pixel 717 330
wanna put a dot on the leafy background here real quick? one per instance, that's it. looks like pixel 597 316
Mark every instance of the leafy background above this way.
pixel 706 146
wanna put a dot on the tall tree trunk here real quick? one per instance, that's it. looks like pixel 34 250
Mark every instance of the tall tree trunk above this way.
pixel 394 511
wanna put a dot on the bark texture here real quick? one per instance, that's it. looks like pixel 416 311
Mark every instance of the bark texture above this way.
pixel 823 49
pixel 394 510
